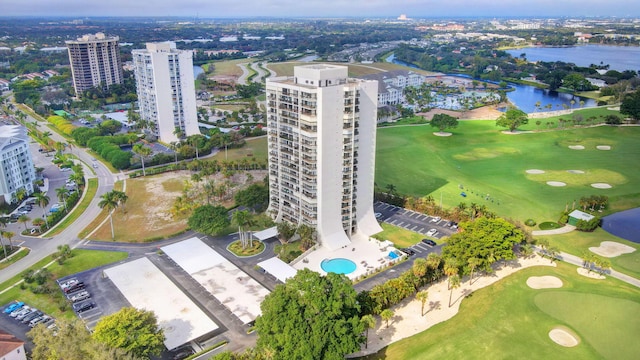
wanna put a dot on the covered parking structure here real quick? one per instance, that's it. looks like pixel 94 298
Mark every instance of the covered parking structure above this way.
pixel 266 233
pixel 236 290
pixel 146 287
pixel 278 268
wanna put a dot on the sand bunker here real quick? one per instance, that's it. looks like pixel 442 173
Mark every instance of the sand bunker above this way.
pixel 590 274
pixel 535 171
pixel 544 282
pixel 575 171
pixel 576 147
pixel 603 147
pixel 611 249
pixel 563 337
pixel 556 183
pixel 444 134
pixel 601 186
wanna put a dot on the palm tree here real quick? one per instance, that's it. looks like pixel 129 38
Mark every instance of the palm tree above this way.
pixel 38 222
pixel 109 201
pixel 24 219
pixel 473 263
pixel 450 269
pixel 240 219
pixel 419 267
pixel 391 189
pixel 63 194
pixel 142 151
pixel 121 198
pixel 423 296
pixel 43 201
pixel 369 322
pixel 2 244
pixel 174 147
pixel 9 235
pixel 386 315
pixel 21 194
pixel 455 283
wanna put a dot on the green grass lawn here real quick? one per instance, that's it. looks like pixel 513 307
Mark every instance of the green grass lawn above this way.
pixel 578 243
pixel 490 166
pixel 400 237
pixel 49 303
pixel 509 320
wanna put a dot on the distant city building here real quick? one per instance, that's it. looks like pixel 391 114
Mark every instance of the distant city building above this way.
pixel 391 85
pixel 16 164
pixel 321 143
pixel 95 61
pixel 166 90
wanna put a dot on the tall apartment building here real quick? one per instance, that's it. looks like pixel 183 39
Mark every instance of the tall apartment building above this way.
pixel 166 90
pixel 16 164
pixel 321 143
pixel 95 61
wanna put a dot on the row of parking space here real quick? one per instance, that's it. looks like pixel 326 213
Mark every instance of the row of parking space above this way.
pixel 81 300
pixel 432 226
pixel 26 316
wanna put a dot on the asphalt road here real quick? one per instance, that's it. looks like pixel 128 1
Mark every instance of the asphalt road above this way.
pixel 43 247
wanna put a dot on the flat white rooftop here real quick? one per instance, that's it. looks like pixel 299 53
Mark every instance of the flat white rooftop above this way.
pixel 146 287
pixel 278 268
pixel 236 290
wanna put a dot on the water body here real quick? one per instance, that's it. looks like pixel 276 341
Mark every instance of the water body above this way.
pixel 525 97
pixel 197 70
pixel 617 57
pixel 625 224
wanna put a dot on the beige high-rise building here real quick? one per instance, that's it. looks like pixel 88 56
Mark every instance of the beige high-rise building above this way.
pixel 322 140
pixel 166 90
pixel 95 61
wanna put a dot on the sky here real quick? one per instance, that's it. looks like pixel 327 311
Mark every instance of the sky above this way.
pixel 320 8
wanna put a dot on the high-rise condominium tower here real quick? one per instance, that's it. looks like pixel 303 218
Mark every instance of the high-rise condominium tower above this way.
pixel 166 90
pixel 95 61
pixel 16 164
pixel 322 136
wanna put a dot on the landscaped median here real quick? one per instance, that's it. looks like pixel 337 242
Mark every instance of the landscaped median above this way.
pixel 90 192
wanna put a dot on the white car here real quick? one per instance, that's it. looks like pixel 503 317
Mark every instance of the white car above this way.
pixel 378 215
pixel 23 310
pixel 435 219
pixel 432 232
pixel 82 295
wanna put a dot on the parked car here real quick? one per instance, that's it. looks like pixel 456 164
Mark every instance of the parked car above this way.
pixel 429 242
pixel 16 305
pixel 378 215
pixel 23 310
pixel 435 219
pixel 73 288
pixel 48 322
pixel 38 320
pixel 21 316
pixel 32 315
pixel 408 251
pixel 83 306
pixel 79 296
pixel 68 282
pixel 431 232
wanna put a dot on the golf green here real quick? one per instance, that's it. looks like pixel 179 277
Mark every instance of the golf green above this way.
pixel 491 167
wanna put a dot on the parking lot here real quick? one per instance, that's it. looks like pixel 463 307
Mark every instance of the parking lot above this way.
pixel 426 225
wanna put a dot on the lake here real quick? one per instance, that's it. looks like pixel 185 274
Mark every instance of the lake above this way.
pixel 618 57
pixel 197 70
pixel 525 97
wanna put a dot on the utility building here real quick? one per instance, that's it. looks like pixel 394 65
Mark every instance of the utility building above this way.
pixel 166 90
pixel 322 140
pixel 95 62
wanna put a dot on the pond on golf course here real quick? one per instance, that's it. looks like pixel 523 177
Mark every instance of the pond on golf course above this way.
pixel 624 224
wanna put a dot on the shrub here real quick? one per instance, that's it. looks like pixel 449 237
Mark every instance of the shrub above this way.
pixel 588 225
pixel 530 222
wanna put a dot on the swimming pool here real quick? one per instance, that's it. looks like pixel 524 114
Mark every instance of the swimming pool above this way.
pixel 338 266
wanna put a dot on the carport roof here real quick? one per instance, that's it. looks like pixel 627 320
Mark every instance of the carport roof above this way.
pixel 577 214
pixel 266 234
pixel 278 268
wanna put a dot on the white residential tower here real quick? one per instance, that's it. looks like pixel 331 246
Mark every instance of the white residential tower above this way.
pixel 16 164
pixel 322 137
pixel 166 90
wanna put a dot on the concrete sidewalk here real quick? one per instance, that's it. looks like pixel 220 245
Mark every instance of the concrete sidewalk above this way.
pixel 563 230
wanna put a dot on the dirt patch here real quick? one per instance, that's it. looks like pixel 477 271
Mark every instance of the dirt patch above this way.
pixel 535 171
pixel 556 183
pixel 544 282
pixel 575 171
pixel 482 113
pixel 564 337
pixel 429 114
pixel 611 249
pixel 576 147
pixel 590 274
pixel 601 186
pixel 603 147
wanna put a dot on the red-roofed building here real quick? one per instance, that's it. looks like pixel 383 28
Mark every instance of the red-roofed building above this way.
pixel 11 348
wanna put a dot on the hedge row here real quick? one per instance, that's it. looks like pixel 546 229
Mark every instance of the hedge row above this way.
pixel 61 124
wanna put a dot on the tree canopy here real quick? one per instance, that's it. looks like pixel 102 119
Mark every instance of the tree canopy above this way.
pixel 71 340
pixel 512 118
pixel 209 219
pixel 256 196
pixel 487 240
pixel 444 121
pixel 133 330
pixel 631 105
pixel 311 317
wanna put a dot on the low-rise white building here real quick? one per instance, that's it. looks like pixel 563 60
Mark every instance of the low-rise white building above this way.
pixel 391 85
pixel 16 164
